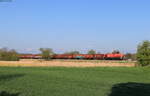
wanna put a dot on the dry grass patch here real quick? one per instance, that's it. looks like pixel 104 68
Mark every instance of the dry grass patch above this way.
pixel 67 63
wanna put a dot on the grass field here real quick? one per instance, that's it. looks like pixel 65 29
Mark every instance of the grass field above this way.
pixel 61 81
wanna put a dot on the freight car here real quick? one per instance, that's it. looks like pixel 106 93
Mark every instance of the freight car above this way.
pixel 77 56
pixel 89 56
pixel 30 56
pixel 62 56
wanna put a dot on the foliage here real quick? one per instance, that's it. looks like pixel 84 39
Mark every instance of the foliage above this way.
pixel 72 52
pixel 8 55
pixel 143 53
pixel 91 51
pixel 130 56
pixel 47 53
pixel 54 81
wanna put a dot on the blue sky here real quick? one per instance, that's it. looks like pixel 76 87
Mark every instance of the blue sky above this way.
pixel 66 25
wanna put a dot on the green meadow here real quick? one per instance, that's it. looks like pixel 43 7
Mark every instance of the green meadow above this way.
pixel 61 81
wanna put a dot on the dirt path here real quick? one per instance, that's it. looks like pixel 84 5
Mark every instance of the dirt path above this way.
pixel 37 63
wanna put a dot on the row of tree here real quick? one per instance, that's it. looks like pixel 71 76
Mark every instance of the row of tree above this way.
pixel 8 55
pixel 142 55
pixel 77 52
pixel 47 53
pixel 43 50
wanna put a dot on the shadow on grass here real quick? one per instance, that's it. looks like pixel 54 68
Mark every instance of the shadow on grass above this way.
pixel 5 77
pixel 4 93
pixel 10 76
pixel 130 89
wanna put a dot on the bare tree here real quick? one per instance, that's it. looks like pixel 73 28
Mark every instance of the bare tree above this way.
pixel 72 52
pixel 8 55
pixel 91 51
pixel 47 53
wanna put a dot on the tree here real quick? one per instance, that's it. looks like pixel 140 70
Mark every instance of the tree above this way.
pixel 8 55
pixel 143 53
pixel 116 52
pixel 72 52
pixel 99 53
pixel 130 56
pixel 47 53
pixel 91 51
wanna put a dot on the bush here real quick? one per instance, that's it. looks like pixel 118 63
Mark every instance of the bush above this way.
pixel 91 51
pixel 143 53
pixel 130 56
pixel 47 53
pixel 72 52
pixel 8 55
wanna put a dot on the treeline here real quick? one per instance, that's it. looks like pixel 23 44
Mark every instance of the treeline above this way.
pixel 77 52
pixel 47 53
pixel 142 56
pixel 8 55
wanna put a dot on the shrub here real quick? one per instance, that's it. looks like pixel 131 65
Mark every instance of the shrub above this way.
pixel 47 53
pixel 143 53
pixel 72 52
pixel 130 56
pixel 91 51
pixel 8 55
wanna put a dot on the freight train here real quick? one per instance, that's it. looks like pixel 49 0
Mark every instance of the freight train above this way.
pixel 77 56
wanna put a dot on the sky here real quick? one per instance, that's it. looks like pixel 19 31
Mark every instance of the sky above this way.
pixel 67 25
